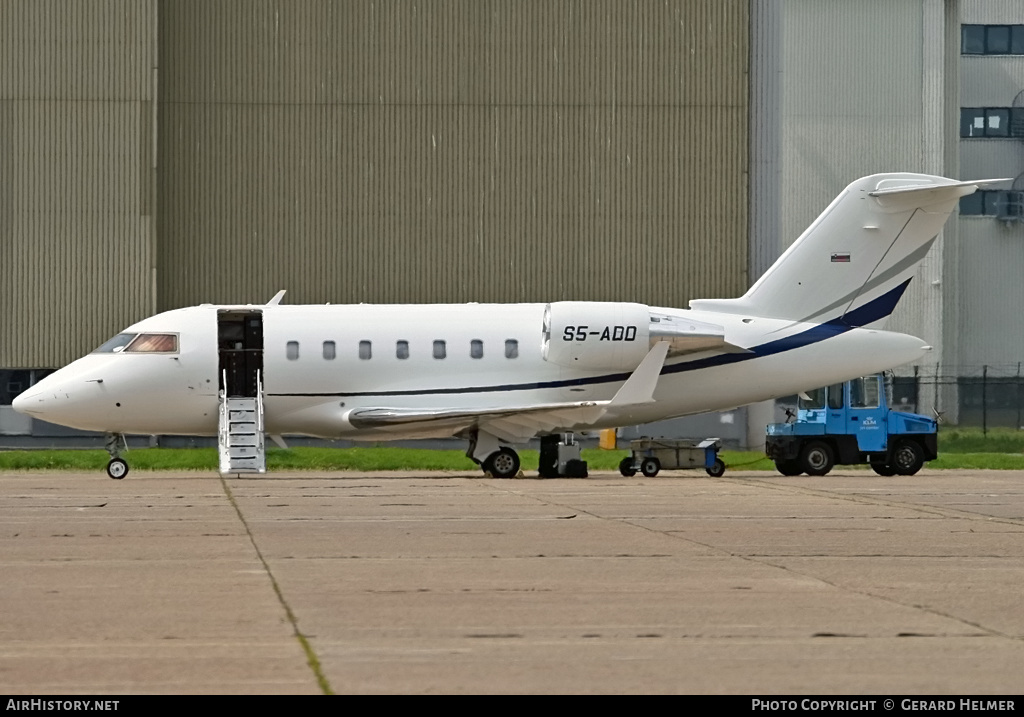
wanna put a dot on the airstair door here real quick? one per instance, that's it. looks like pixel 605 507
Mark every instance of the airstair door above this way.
pixel 240 347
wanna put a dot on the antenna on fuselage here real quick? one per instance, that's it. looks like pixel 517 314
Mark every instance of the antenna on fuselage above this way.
pixel 277 298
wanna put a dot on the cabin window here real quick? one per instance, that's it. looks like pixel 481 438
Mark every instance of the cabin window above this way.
pixel 365 351
pixel 402 349
pixel 153 344
pixel 291 350
pixel 511 348
pixel 440 351
pixel 329 350
pixel 476 348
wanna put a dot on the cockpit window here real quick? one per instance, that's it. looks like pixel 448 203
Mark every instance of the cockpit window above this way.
pixel 115 344
pixel 153 344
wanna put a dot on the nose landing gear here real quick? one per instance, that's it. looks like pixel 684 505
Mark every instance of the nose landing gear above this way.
pixel 117 468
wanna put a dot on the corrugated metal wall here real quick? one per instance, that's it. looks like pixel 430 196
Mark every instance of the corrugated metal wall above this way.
pixel 991 12
pixel 851 99
pixel 76 187
pixel 991 295
pixel 991 252
pixel 483 150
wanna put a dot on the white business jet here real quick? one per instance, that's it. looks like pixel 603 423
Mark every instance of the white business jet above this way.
pixel 499 375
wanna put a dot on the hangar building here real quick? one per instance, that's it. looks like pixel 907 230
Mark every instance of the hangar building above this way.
pixel 162 153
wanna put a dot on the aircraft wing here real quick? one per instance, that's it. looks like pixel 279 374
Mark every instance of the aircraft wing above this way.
pixel 512 424
pixel 518 424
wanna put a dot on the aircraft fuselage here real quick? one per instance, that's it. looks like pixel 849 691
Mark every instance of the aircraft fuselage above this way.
pixel 319 363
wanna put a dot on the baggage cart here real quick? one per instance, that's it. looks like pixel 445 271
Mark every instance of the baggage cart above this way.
pixel 650 455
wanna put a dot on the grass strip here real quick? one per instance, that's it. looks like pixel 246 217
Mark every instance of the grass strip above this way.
pixel 385 458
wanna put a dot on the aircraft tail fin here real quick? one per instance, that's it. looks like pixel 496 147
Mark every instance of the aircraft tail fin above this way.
pixel 854 262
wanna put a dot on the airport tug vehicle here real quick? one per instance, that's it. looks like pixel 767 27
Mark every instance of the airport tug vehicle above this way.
pixel 849 424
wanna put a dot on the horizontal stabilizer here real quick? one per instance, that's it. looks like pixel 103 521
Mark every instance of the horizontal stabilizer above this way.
pixel 909 188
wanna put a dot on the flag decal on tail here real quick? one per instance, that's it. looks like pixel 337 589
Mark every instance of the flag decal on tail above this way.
pixel 843 258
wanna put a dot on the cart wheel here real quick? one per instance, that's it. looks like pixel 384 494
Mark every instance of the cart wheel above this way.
pixel 717 470
pixel 627 468
pixel 650 467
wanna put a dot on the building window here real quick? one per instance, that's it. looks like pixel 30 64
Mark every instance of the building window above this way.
pixel 291 350
pixel 330 351
pixel 440 350
pixel 476 348
pixel 1004 204
pixel 511 348
pixel 365 351
pixel 992 122
pixel 402 349
pixel 992 39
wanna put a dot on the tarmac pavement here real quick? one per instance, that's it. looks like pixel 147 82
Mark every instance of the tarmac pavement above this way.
pixel 395 583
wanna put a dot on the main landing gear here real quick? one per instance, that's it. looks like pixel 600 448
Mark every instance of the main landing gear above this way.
pixel 117 468
pixel 559 457
pixel 495 459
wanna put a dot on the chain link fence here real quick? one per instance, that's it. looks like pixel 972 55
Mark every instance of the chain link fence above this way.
pixel 986 396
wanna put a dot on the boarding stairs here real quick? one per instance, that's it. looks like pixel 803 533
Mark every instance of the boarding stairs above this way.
pixel 240 438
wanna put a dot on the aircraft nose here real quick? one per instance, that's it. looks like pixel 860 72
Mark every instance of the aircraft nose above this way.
pixel 44 399
pixel 55 400
pixel 25 402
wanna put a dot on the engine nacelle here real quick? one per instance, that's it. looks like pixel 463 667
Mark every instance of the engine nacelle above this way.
pixel 603 335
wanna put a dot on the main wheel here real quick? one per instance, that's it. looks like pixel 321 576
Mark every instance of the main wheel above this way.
pixel 503 463
pixel 817 458
pixel 626 467
pixel 908 458
pixel 717 470
pixel 789 468
pixel 117 468
pixel 650 467
pixel 883 469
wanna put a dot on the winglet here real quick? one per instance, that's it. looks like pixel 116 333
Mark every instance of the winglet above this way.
pixel 639 387
pixel 277 298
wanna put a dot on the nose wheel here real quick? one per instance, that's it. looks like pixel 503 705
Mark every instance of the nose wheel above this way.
pixel 117 468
